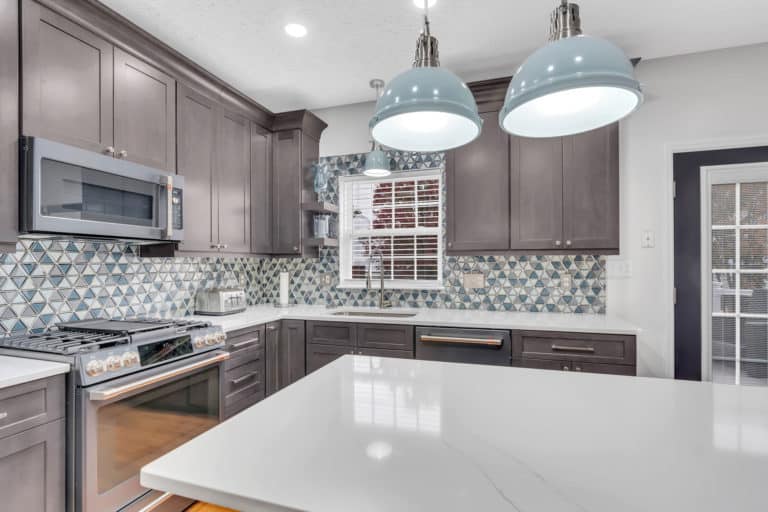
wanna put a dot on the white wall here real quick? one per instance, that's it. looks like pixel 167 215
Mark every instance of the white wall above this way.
pixel 347 130
pixel 700 101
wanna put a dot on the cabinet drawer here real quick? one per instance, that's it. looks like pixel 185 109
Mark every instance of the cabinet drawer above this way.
pixel 245 338
pixel 379 352
pixel 389 337
pixel 575 366
pixel 244 356
pixel 242 403
pixel 543 364
pixel 331 333
pixel 595 348
pixel 320 355
pixel 244 377
pixel 31 404
pixel 611 369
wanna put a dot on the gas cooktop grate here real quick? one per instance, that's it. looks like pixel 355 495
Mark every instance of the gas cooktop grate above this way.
pixel 64 342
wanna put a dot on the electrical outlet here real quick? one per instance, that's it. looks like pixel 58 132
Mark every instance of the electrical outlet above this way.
pixel 618 268
pixel 326 279
pixel 473 280
pixel 566 281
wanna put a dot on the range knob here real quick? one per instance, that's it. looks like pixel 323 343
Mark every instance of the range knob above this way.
pixel 221 337
pixel 129 359
pixel 114 363
pixel 210 339
pixel 199 342
pixel 95 368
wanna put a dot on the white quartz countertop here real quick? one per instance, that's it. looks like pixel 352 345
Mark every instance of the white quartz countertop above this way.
pixel 603 324
pixel 376 434
pixel 18 370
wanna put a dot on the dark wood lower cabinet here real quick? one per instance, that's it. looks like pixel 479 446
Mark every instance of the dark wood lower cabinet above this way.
pixel 244 377
pixel 285 354
pixel 319 355
pixel 385 336
pixel 32 446
pixel 379 352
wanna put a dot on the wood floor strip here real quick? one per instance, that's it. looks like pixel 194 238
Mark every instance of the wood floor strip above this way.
pixel 206 507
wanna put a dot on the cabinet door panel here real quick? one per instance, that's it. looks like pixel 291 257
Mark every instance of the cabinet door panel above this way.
pixel 379 352
pixel 331 333
pixel 477 180
pixel 591 189
pixel 292 352
pixel 536 192
pixel 272 358
pixel 261 190
pixel 286 193
pixel 145 113
pixel 9 125
pixel 197 127
pixel 233 178
pixel 382 336
pixel 319 355
pixel 66 82
pixel 32 470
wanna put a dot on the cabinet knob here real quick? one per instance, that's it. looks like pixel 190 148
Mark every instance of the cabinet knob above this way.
pixel 566 368
pixel 110 150
pixel 223 246
pixel 214 246
pixel 577 368
pixel 558 243
pixel 122 154
pixel 568 243
pixel 450 244
pixel 295 248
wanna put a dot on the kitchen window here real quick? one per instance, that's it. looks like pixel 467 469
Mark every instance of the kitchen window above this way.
pixel 393 227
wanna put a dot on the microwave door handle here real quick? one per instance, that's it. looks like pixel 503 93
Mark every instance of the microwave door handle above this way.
pixel 99 395
pixel 167 183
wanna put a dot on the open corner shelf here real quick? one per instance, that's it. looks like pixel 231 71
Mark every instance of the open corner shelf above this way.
pixel 320 207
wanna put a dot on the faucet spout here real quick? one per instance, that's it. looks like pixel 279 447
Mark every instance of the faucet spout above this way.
pixel 369 278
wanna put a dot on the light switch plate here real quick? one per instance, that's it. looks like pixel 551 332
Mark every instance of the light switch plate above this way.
pixel 473 280
pixel 326 279
pixel 618 268
pixel 649 240
pixel 566 281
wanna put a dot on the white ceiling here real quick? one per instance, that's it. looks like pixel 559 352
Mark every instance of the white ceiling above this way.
pixel 352 41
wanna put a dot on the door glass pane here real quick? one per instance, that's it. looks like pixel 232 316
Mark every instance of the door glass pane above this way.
pixel 739 256
pixel 724 204
pixel 723 248
pixel 74 192
pixel 137 430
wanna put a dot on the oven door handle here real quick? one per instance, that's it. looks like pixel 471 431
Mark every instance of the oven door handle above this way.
pixel 98 395
pixel 167 184
pixel 487 342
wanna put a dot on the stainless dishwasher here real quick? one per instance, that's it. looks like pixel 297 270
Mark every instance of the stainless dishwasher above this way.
pixel 481 346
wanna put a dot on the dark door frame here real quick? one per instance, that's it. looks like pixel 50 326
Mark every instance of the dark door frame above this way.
pixel 687 248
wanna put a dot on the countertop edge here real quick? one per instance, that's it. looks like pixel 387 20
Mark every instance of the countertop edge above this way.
pixel 43 370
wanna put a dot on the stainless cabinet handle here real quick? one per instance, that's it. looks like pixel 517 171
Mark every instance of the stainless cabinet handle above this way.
pixel 245 343
pixel 561 348
pixel 110 150
pixel 271 327
pixel 462 341
pixel 3 415
pixel 242 379
pixel 122 154
pixel 558 243
pixel 568 243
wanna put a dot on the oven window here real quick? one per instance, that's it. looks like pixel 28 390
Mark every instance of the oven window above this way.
pixel 135 431
pixel 74 192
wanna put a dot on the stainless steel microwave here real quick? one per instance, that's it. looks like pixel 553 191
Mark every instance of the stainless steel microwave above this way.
pixel 66 190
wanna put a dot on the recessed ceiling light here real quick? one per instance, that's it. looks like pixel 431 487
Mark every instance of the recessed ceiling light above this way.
pixel 420 3
pixel 295 30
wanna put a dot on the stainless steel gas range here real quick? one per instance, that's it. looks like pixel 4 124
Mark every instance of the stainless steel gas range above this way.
pixel 137 389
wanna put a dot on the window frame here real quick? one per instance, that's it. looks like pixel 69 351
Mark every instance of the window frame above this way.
pixel 345 231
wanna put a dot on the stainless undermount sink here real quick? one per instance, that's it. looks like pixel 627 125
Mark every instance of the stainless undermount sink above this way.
pixel 385 314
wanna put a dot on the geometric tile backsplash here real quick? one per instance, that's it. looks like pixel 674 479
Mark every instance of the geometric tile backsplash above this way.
pixel 50 281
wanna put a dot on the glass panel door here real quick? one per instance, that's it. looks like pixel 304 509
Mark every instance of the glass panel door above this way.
pixel 738 247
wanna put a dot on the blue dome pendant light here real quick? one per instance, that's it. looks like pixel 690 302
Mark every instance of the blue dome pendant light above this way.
pixel 426 108
pixel 574 84
pixel 376 162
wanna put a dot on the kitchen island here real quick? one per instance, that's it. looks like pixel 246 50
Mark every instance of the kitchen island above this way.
pixel 378 434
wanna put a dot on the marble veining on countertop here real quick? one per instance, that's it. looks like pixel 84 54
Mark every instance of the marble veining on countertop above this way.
pixel 602 324
pixel 18 370
pixel 380 435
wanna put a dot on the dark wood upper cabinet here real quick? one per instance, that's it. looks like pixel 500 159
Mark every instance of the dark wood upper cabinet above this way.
pixel 477 179
pixel 535 193
pixel 67 80
pixel 233 177
pixel 560 195
pixel 196 143
pixel 591 189
pixel 145 113
pixel 296 148
pixel 9 124
pixel 261 190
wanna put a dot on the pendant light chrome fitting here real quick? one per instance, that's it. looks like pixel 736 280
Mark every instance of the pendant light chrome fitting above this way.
pixel 426 108
pixel 574 84
pixel 376 161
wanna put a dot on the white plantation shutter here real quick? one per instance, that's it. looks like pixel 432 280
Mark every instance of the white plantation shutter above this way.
pixel 398 216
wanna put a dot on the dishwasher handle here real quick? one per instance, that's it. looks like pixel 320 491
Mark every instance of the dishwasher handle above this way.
pixel 486 342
